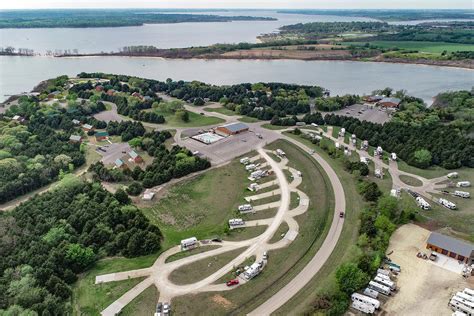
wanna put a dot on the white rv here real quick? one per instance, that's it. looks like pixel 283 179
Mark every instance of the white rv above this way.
pixel 469 291
pixel 365 299
pixel 393 156
pixel 252 271
pixel 362 307
pixel 395 193
pixel 379 151
pixel 458 313
pixel 378 173
pixel 462 194
pixel 447 204
pixel 371 293
pixel 452 175
pixel 465 296
pixel 463 184
pixel 338 145
pixel 189 243
pixel 236 222
pixel 383 276
pixel 365 145
pixel 383 271
pixel 250 167
pixel 253 187
pixel 387 283
pixel 245 208
pixel 245 160
pixel 280 152
pixel 353 136
pixel 342 132
pixel 379 288
pixel 462 305
pixel 422 203
pixel 364 160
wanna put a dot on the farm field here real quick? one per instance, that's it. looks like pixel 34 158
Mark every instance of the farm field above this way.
pixel 427 47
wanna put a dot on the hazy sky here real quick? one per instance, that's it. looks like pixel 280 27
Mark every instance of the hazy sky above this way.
pixel 296 4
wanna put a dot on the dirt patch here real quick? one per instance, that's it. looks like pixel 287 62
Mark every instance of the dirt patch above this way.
pixel 222 301
pixel 424 288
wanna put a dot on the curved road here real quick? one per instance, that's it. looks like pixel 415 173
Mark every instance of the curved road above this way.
pixel 310 270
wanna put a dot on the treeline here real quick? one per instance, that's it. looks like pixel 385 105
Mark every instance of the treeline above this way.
pixel 126 129
pixel 47 241
pixel 106 18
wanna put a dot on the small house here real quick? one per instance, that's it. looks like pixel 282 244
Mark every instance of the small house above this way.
pixel 120 164
pixel 75 139
pixel 390 102
pixel 100 136
pixel 373 98
pixel 76 122
pixel 135 157
pixel 87 127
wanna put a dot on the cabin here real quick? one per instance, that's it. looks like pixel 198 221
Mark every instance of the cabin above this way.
pixel 135 157
pixel 120 164
pixel 372 98
pixel 390 102
pixel 100 136
pixel 75 139
pixel 87 127
pixel 451 247
pixel 232 129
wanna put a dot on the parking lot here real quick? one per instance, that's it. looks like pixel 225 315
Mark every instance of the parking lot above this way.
pixel 113 151
pixel 365 113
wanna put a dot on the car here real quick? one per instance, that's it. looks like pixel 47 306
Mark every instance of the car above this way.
pixel 341 214
pixel 202 113
pixel 348 112
pixel 124 152
pixel 232 282
pixel 166 308
pixel 216 240
pixel 159 307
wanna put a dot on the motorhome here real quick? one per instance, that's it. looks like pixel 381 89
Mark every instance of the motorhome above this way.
pixel 462 194
pixel 422 203
pixel 469 291
pixel 452 175
pixel 395 193
pixel 255 175
pixel 250 167
pixel 387 283
pixel 465 296
pixel 458 313
pixel 362 307
pixel 353 136
pixel 253 187
pixel 371 293
pixel 189 243
pixel 245 160
pixel 280 152
pixel 463 184
pixel 379 288
pixel 245 208
pixel 456 305
pixel 383 276
pixel 378 173
pixel 338 146
pixel 364 160
pixel 379 151
pixel 252 271
pixel 393 156
pixel 236 222
pixel 342 132
pixel 383 271
pixel 447 204
pixel 364 145
pixel 365 299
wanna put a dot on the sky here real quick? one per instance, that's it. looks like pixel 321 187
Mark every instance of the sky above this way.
pixel 257 4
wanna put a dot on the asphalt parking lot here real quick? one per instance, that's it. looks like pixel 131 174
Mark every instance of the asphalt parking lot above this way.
pixel 113 152
pixel 365 113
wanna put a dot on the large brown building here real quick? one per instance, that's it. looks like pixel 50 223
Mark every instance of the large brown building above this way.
pixel 451 247
pixel 232 129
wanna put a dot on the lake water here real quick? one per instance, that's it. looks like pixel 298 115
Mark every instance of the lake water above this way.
pixel 93 40
pixel 19 74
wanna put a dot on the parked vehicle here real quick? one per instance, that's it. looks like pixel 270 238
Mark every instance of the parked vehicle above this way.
pixel 245 160
pixel 422 203
pixel 236 222
pixel 189 243
pixel 447 204
pixel 341 214
pixel 393 156
pixel 216 240
pixel 265 255
pixel 366 299
pixel 462 194
pixel 245 208
pixel 387 283
pixel 232 282
pixel 250 167
pixel 383 276
pixel 465 296
pixel 379 288
pixel 463 184
pixel 383 271
pixel 166 308
pixel 469 291
pixel 362 307
pixel 462 305
pixel 452 175
pixel 371 293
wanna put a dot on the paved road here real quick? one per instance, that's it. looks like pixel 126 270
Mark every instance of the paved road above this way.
pixel 321 256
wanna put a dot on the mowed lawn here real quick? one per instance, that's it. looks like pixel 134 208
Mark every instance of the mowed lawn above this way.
pixel 427 47
pixel 195 120
pixel 201 206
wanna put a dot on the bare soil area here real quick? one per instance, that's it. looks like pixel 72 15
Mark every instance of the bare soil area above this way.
pixel 424 288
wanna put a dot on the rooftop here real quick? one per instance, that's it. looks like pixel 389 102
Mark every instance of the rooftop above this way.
pixel 235 127
pixel 451 244
pixel 118 162
pixel 87 126
pixel 391 100
pixel 75 137
pixel 101 134
pixel 133 154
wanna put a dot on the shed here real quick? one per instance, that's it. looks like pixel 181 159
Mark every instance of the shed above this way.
pixel 120 164
pixel 87 127
pixel 102 135
pixel 232 129
pixel 75 139
pixel 135 157
pixel 451 247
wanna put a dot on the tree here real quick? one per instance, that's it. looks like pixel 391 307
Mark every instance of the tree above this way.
pixel 122 196
pixel 422 158
pixel 350 278
pixel 388 206
pixel 182 115
pixel 135 188
pixel 79 257
pixel 199 102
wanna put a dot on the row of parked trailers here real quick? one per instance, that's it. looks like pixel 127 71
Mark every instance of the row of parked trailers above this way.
pixel 462 303
pixel 368 302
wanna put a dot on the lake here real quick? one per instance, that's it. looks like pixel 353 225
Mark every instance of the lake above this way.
pixel 93 40
pixel 20 74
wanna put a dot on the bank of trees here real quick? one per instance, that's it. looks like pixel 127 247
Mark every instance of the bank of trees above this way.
pixel 48 240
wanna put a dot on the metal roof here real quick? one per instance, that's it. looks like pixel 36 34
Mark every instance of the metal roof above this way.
pixel 118 162
pixel 235 127
pixel 99 134
pixel 75 137
pixel 451 244
pixel 133 154
pixel 392 100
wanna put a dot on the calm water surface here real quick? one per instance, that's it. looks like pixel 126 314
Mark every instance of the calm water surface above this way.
pixel 19 74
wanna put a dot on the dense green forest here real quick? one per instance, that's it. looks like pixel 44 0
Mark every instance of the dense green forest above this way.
pixel 389 14
pixel 48 240
pixel 105 18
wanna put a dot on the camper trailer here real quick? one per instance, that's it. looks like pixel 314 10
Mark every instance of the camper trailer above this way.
pixel 236 222
pixel 382 289
pixel 379 151
pixel 365 299
pixel 253 187
pixel 462 194
pixel 463 184
pixel 245 160
pixel 422 203
pixel 250 167
pixel 469 292
pixel 387 283
pixel 365 145
pixel 280 153
pixel 395 193
pixel 383 276
pixel 460 304
pixel 189 243
pixel 465 296
pixel 378 174
pixel 393 156
pixel 447 204
pixel 364 160
pixel 342 132
pixel 383 271
pixel 245 208
pixel 252 271
pixel 371 293
pixel 362 307
pixel 452 175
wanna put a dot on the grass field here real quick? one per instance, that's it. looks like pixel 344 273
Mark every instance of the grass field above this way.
pixel 274 127
pixel 221 110
pixel 248 119
pixel 142 304
pixel 283 263
pixel 191 252
pixel 428 47
pixel 90 299
pixel 195 120
pixel 219 192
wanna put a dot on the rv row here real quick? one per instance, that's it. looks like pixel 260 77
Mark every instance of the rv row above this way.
pixel 462 303
pixel 421 202
pixel 368 302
